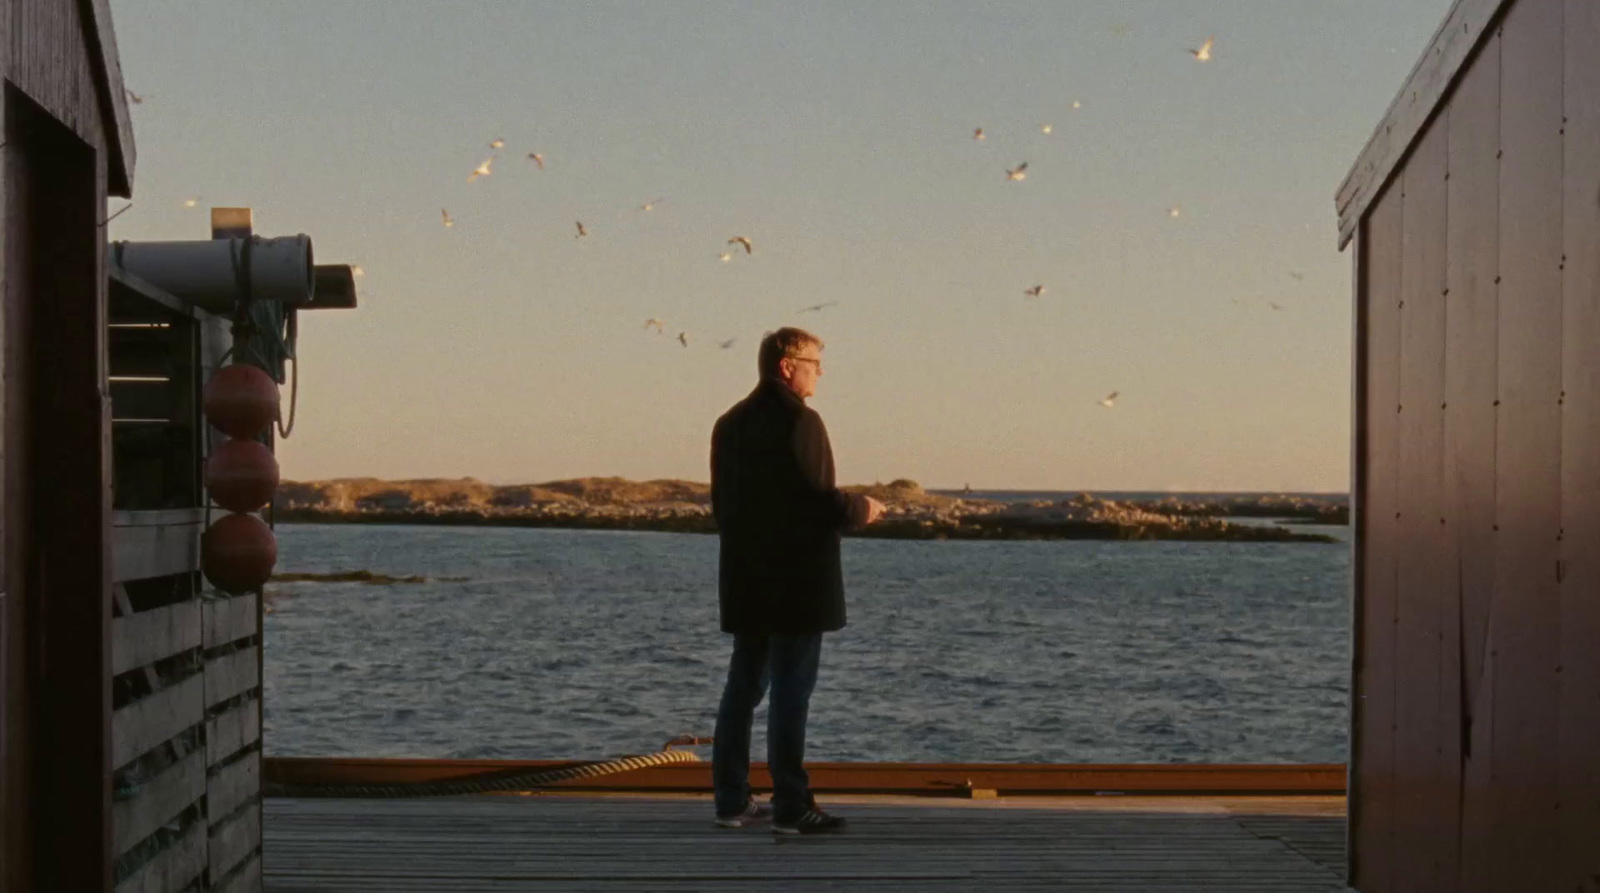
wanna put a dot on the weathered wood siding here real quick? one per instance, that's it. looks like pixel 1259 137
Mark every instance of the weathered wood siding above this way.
pixel 1476 733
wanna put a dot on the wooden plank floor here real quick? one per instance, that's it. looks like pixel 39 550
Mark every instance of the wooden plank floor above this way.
pixel 667 843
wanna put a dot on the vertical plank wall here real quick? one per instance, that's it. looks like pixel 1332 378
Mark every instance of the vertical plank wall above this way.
pixel 1472 264
pixel 1523 616
pixel 1372 809
pixel 1578 779
pixel 1476 733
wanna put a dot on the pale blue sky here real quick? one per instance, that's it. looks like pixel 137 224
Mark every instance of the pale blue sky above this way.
pixel 837 136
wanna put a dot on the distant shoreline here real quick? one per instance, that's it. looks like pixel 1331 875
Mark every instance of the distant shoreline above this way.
pixel 907 529
pixel 676 506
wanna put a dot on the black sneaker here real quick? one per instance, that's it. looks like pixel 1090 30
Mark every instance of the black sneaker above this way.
pixel 812 821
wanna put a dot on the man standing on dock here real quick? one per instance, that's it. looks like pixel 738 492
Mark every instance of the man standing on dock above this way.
pixel 780 585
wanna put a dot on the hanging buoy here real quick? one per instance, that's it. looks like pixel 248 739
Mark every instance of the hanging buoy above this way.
pixel 242 475
pixel 237 553
pixel 241 400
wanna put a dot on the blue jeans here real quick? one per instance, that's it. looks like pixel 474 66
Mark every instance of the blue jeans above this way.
pixel 789 663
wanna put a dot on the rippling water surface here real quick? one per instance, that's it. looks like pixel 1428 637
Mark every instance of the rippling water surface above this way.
pixel 579 644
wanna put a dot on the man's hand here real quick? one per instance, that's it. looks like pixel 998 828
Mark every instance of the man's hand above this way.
pixel 874 510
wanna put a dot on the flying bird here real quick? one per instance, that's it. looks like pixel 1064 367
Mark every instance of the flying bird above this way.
pixel 1045 128
pixel 977 134
pixel 133 97
pixel 683 338
pixel 356 270
pixel 1204 53
pixel 1076 104
pixel 658 325
pixel 536 158
pixel 1020 172
pixel 748 248
pixel 1034 292
pixel 1275 305
pixel 816 307
pixel 1109 399
pixel 481 170
pixel 1174 211
pixel 725 257
pixel 445 215
pixel 582 230
pixel 191 202
pixel 650 204
pixel 726 344
pixel 497 143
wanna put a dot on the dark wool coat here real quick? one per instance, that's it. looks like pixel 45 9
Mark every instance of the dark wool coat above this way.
pixel 779 516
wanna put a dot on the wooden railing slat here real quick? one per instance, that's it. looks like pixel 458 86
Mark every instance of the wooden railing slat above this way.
pixel 174 868
pixel 233 841
pixel 158 801
pixel 232 731
pixel 231 674
pixel 230 619
pixel 149 636
pixel 233 784
pixel 148 722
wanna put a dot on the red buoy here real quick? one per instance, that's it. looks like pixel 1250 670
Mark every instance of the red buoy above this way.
pixel 237 553
pixel 242 475
pixel 241 400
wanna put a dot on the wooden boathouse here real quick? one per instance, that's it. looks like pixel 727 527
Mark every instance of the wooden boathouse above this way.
pixel 130 687
pixel 1474 215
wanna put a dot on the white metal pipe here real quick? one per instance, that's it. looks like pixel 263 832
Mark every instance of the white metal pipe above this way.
pixel 210 274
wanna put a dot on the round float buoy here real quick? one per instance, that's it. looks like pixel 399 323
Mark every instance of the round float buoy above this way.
pixel 237 553
pixel 241 400
pixel 242 475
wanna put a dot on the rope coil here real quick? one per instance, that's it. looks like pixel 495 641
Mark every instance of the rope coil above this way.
pixel 498 780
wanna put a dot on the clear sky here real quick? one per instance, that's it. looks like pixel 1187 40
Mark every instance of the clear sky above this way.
pixel 837 136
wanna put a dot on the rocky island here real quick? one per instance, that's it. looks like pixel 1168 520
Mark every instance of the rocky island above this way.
pixel 684 507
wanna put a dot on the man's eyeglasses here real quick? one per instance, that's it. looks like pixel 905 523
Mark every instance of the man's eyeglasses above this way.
pixel 807 360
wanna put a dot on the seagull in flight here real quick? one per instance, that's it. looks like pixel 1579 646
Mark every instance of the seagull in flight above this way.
pixel 133 97
pixel 725 257
pixel 1020 172
pixel 1045 129
pixel 1035 292
pixel 445 216
pixel 191 202
pixel 658 325
pixel 683 338
pixel 497 143
pixel 582 230
pixel 1109 399
pixel 726 344
pixel 481 170
pixel 815 307
pixel 977 134
pixel 536 158
pixel 1076 104
pixel 1174 211
pixel 1204 53
pixel 650 204
pixel 748 248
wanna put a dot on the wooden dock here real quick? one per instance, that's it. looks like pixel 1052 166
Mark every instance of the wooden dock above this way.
pixel 616 842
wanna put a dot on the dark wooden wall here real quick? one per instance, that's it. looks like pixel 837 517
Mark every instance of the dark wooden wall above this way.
pixel 1476 721
pixel 55 810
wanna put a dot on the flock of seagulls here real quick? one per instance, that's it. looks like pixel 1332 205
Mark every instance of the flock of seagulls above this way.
pixel 1018 173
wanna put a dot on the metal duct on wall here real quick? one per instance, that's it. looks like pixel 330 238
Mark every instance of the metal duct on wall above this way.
pixel 211 274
